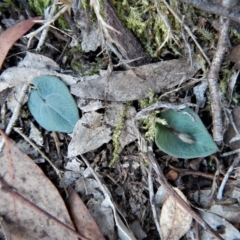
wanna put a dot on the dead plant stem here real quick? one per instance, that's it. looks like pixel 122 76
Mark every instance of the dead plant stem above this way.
pixel 151 197
pixel 227 175
pixel 215 95
pixel 15 114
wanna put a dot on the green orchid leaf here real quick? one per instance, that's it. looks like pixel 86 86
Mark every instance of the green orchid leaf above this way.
pixel 185 136
pixel 52 105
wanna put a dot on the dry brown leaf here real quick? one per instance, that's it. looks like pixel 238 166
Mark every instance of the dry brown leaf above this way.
pixel 90 132
pixel 175 221
pixel 12 34
pixel 83 220
pixel 30 205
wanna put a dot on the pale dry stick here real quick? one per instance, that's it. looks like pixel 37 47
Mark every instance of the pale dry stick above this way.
pixel 212 78
pixel 15 114
pixel 19 131
pixel 57 144
pixel 15 195
pixel 226 154
pixel 144 113
pixel 151 197
pixel 45 30
pixel 33 34
pixel 188 31
pixel 128 235
pixel 162 180
pixel 227 175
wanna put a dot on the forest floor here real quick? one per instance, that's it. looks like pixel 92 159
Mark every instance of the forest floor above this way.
pixel 138 136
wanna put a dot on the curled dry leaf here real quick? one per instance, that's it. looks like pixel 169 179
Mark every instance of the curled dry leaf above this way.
pixel 24 220
pixel 12 34
pixel 82 218
pixel 175 221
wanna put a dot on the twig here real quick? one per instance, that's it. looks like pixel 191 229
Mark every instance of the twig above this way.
pixel 15 114
pixel 226 154
pixel 227 175
pixel 15 195
pixel 57 144
pixel 162 180
pixel 46 29
pixel 124 230
pixel 19 131
pixel 151 197
pixel 188 31
pixel 47 24
pixel 184 172
pixel 213 81
pixel 214 8
pixel 144 113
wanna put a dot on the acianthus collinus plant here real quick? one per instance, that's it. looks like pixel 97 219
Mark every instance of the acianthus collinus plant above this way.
pixel 184 136
pixel 52 105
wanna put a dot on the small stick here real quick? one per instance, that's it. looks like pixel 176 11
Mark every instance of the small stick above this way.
pixel 151 199
pixel 15 114
pixel 57 144
pixel 226 154
pixel 227 175
pixel 144 113
pixel 45 30
pixel 213 81
pixel 33 34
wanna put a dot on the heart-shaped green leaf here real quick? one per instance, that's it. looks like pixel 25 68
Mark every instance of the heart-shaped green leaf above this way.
pixel 52 105
pixel 185 136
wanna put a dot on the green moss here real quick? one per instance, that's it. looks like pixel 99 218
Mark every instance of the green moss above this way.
pixel 9 2
pixel 148 101
pixel 236 98
pixel 39 6
pixel 143 19
pixel 225 74
pixel 116 134
pixel 148 124
pixel 77 66
pixel 234 36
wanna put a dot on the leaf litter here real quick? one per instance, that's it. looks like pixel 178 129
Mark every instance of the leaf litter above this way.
pixel 100 98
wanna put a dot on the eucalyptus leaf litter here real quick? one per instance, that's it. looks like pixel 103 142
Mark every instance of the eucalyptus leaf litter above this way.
pixel 52 105
pixel 187 122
